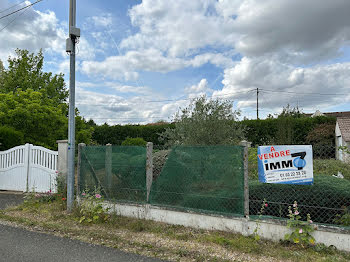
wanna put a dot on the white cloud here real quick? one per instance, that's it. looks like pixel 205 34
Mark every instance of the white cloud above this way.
pixel 179 27
pixel 116 109
pixel 31 30
pixel 281 84
pixel 151 60
pixel 85 50
pixel 284 46
pixel 124 67
pixel 104 20
pixel 300 30
pixel 202 86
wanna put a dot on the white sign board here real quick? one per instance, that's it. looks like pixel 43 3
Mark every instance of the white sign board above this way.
pixel 285 164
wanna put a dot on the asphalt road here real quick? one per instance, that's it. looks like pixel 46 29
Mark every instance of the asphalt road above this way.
pixel 17 244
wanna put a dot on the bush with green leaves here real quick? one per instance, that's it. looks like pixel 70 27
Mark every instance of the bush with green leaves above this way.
pixel 137 141
pixel 289 130
pixel 90 208
pixel 205 122
pixel 9 137
pixel 116 134
pixel 301 230
pixel 344 218
pixel 33 102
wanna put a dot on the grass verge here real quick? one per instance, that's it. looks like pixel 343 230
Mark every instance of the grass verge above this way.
pixel 154 239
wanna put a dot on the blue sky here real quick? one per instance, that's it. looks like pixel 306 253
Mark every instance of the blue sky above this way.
pixel 139 61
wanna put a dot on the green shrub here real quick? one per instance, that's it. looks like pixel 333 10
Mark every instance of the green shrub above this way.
pixel 115 135
pixel 137 141
pixel 323 200
pixel 253 163
pixel 331 167
pixel 90 208
pixel 289 130
pixel 9 138
pixel 344 218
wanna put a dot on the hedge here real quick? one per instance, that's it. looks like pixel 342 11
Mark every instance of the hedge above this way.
pixel 284 130
pixel 323 200
pixel 115 135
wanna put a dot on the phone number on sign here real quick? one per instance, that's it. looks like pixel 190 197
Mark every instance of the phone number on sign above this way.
pixel 293 174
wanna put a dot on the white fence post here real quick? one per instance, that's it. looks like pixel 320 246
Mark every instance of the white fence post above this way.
pixel 27 161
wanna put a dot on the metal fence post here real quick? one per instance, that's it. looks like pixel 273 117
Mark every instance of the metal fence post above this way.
pixel 80 148
pixel 149 169
pixel 108 167
pixel 246 178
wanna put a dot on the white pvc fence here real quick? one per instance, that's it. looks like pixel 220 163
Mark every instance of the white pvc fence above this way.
pixel 28 168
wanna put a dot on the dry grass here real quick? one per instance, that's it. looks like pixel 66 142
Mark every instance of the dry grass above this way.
pixel 154 239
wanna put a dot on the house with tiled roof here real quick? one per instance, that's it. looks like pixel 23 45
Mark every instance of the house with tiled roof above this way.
pixel 342 138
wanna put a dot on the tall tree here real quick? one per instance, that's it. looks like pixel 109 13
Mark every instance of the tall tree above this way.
pixel 40 122
pixel 25 71
pixel 34 102
pixel 2 69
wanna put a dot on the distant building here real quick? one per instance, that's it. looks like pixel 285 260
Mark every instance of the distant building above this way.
pixel 342 138
pixel 334 114
pixel 317 113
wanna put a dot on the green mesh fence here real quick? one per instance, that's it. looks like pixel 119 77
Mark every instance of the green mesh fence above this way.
pixel 119 172
pixel 326 200
pixel 202 178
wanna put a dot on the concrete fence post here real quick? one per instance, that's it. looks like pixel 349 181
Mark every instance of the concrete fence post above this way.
pixel 246 145
pixel 80 148
pixel 108 167
pixel 149 169
pixel 62 160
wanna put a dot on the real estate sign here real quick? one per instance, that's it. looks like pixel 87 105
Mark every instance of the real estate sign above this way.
pixel 285 164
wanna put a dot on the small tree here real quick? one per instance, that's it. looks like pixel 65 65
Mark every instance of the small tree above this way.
pixel 205 122
pixel 289 111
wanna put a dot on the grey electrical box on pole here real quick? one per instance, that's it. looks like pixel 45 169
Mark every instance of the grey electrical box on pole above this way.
pixel 74 33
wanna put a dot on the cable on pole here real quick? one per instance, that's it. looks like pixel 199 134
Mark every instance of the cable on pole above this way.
pixel 20 9
pixel 12 7
pixel 9 23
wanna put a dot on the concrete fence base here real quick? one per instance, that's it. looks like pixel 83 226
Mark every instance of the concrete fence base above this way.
pixel 268 229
